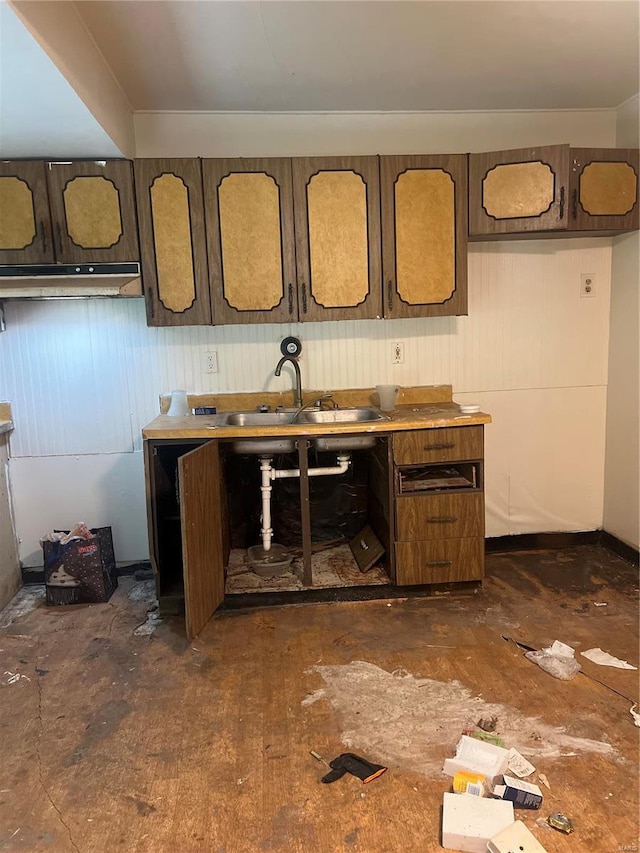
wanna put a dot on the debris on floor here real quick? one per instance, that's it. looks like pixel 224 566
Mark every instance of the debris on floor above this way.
pixel 524 795
pixel 355 765
pixel 560 821
pixel 518 836
pixel 469 823
pixel 605 659
pixel 558 660
pixel 405 721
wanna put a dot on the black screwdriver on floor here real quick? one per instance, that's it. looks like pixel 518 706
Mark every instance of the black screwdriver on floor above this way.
pixel 365 770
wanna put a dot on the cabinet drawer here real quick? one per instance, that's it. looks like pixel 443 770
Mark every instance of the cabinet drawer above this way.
pixel 439 561
pixel 456 516
pixel 438 445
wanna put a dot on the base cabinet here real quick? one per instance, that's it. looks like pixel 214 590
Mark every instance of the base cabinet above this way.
pixel 420 492
pixel 439 505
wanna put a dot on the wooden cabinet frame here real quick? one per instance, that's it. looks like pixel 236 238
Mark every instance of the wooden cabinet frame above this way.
pixel 186 300
pixel 391 169
pixel 31 179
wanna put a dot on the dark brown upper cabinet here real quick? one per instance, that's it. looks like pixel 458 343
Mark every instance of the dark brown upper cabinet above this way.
pixel 337 232
pixel 173 250
pixel 555 190
pixel 250 240
pixel 424 235
pixel 293 240
pixel 93 211
pixel 604 190
pixel 25 221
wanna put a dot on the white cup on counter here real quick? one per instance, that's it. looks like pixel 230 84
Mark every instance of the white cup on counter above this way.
pixel 179 404
pixel 387 395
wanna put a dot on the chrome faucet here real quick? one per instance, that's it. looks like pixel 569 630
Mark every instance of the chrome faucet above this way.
pixel 315 403
pixel 297 391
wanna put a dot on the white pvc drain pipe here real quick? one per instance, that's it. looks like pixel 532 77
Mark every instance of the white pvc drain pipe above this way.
pixel 270 473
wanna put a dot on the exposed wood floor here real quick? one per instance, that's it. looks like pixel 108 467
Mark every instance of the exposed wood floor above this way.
pixel 113 740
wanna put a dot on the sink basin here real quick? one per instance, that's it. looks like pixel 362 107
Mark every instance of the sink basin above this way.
pixel 336 443
pixel 341 416
pixel 251 419
pixel 339 443
pixel 261 446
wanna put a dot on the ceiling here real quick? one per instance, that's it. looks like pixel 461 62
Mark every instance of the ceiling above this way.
pixel 318 55
pixel 298 56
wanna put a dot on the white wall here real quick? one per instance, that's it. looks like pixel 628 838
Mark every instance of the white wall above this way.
pixel 10 579
pixel 83 376
pixel 622 460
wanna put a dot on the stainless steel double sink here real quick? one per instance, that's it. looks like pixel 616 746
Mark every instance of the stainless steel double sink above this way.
pixel 306 417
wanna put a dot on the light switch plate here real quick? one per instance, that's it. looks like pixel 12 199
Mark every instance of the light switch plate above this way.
pixel 516 838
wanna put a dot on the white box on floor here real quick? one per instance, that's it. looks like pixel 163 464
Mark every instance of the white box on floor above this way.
pixel 468 822
pixel 515 837
pixel 479 757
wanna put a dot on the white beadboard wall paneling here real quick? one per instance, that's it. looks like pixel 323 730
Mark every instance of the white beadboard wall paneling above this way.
pixel 183 134
pixel 65 374
pixel 105 490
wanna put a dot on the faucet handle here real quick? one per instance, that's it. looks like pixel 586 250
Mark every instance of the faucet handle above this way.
pixel 263 408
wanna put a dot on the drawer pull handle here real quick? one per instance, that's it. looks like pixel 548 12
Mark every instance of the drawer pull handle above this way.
pixel 439 446
pixel 439 563
pixel 442 519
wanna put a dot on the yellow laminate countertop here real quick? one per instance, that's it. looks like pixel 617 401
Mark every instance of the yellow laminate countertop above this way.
pixel 403 417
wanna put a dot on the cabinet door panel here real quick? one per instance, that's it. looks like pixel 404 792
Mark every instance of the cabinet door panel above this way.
pixel 337 225
pixel 424 235
pixel 93 211
pixel 525 190
pixel 172 241
pixel 249 219
pixel 439 516
pixel 449 444
pixel 202 541
pixel 25 221
pixel 439 561
pixel 604 189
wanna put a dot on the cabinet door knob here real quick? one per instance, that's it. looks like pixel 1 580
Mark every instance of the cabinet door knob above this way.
pixel 561 202
pixel 439 563
pixel 574 204
pixel 438 446
pixel 390 294
pixel 304 298
pixel 290 298
pixel 442 519
pixel 43 236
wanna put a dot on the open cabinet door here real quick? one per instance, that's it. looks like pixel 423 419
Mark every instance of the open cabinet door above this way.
pixel 202 540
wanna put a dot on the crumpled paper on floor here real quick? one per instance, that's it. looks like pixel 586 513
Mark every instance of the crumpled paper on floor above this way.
pixel 605 659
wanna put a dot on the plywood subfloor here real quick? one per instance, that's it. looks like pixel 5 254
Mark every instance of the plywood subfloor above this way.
pixel 118 734
pixel 331 568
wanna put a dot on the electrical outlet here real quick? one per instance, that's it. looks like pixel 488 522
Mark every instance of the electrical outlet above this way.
pixel 210 362
pixel 397 356
pixel 587 284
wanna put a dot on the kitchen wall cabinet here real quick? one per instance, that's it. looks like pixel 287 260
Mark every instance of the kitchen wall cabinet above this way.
pixel 604 190
pixel 293 240
pixel 337 232
pixel 25 222
pixel 93 211
pixel 424 235
pixel 67 213
pixel 250 240
pixel 552 190
pixel 439 505
pixel 173 251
